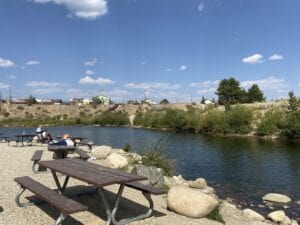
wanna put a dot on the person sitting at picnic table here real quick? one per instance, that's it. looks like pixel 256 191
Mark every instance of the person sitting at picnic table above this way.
pixel 66 140
pixel 43 135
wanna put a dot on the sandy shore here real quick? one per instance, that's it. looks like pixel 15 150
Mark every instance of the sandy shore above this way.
pixel 15 162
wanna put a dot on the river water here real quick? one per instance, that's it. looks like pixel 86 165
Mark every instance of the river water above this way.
pixel 241 168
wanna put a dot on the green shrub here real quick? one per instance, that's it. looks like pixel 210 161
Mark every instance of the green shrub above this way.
pixel 239 119
pixel 112 118
pixel 292 125
pixel 213 122
pixel 153 154
pixel 216 215
pixel 174 119
pixel 270 123
pixel 127 147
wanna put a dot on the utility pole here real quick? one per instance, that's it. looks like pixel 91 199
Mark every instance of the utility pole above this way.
pixel 9 95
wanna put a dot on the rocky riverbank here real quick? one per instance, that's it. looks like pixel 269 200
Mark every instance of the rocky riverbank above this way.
pixel 183 205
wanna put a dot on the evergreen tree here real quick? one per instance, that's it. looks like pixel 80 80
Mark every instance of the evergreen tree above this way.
pixel 202 100
pixel 294 104
pixel 229 91
pixel 164 101
pixel 255 94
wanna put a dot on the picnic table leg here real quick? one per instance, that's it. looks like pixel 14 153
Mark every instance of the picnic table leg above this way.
pixel 60 188
pixel 111 214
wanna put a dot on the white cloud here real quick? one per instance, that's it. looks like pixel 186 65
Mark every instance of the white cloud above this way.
pixel 270 83
pixel 254 59
pixel 152 85
pixel 204 84
pixel 118 94
pixel 85 9
pixel 33 62
pixel 89 72
pixel 206 90
pixel 99 80
pixel 168 70
pixel 38 84
pixel 276 57
pixel 183 67
pixel 6 63
pixel 201 7
pixel 91 62
pixel 4 86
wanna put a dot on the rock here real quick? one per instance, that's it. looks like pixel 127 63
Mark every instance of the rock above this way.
pixel 294 222
pixel 279 217
pixel 251 214
pixel 135 156
pixel 298 202
pixel 208 190
pixel 175 181
pixel 190 202
pixel 198 183
pixel 278 198
pixel 116 161
pixel 101 152
pixel 155 175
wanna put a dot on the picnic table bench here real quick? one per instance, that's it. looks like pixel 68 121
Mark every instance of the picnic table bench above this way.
pixel 65 205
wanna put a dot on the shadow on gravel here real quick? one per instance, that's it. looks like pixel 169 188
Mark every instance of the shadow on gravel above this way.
pixel 88 196
pixel 1 209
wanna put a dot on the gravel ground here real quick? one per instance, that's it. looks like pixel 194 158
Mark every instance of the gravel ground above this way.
pixel 15 162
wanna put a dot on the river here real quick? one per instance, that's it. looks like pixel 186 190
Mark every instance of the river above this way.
pixel 242 168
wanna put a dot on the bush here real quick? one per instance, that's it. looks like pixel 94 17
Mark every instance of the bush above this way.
pixel 271 123
pixel 239 120
pixel 153 154
pixel 213 122
pixel 112 118
pixel 127 147
pixel 292 125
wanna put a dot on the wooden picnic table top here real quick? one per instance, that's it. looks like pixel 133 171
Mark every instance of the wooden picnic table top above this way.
pixel 25 135
pixel 61 148
pixel 90 172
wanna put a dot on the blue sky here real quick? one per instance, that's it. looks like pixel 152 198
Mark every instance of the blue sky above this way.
pixel 174 49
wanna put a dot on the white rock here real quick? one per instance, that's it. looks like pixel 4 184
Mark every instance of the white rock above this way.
pixel 101 152
pixel 278 198
pixel 174 181
pixel 198 183
pixel 279 217
pixel 190 202
pixel 294 222
pixel 116 161
pixel 298 202
pixel 251 214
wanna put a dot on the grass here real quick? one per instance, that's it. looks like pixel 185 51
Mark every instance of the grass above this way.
pixel 216 215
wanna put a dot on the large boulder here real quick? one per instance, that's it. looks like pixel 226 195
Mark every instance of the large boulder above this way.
pixel 155 175
pixel 251 214
pixel 101 152
pixel 277 198
pixel 190 202
pixel 279 217
pixel 116 161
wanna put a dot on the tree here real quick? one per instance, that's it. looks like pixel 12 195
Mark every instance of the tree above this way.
pixel 229 91
pixel 164 101
pixel 97 100
pixel 202 100
pixel 294 104
pixel 30 100
pixel 255 94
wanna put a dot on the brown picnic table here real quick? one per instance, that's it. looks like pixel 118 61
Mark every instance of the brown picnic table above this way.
pixel 61 151
pixel 22 137
pixel 99 176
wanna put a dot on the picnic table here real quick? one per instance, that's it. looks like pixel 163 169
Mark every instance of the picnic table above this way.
pixel 22 137
pixel 99 176
pixel 61 151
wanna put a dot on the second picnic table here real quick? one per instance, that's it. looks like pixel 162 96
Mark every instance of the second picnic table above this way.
pixel 61 151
